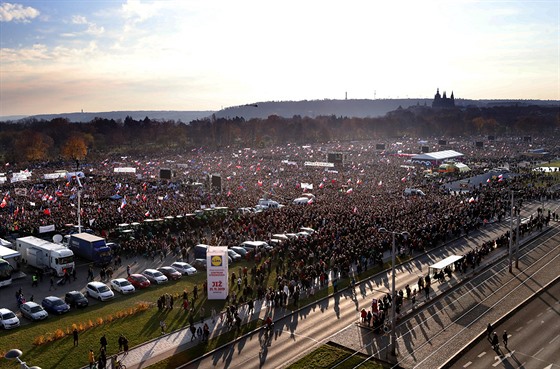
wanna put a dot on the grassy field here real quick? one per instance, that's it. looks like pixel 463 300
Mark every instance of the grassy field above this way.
pixel 329 355
pixel 139 328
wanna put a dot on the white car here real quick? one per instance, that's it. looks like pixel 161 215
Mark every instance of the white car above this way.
pixel 155 276
pixel 122 285
pixel 100 291
pixel 32 310
pixel 8 319
pixel 234 255
pixel 184 268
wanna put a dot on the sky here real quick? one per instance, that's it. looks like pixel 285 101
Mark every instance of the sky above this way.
pixel 109 55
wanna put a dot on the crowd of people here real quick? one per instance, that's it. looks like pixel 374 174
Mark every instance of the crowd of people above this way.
pixel 352 202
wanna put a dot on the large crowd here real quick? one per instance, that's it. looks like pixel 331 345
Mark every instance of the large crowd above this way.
pixel 352 202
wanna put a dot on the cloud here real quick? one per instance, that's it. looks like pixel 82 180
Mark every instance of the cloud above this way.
pixel 92 28
pixel 17 13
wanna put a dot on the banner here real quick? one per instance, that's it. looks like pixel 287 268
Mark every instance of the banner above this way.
pixel 217 272
pixel 47 228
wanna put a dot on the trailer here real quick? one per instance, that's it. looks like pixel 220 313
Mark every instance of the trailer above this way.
pixel 45 255
pixel 90 247
pixel 9 254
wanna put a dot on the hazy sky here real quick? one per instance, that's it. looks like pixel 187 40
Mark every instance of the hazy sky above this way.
pixel 64 56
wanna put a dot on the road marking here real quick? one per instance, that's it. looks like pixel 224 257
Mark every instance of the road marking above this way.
pixel 502 358
pixel 548 367
pixel 481 354
pixel 554 339
pixel 530 321
pixel 538 352
pixel 467 364
pixel 539 314
pixel 518 329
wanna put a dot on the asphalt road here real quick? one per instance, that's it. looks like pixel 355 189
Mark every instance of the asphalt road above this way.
pixel 534 338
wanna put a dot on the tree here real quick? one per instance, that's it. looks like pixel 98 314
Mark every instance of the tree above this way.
pixel 75 148
pixel 33 146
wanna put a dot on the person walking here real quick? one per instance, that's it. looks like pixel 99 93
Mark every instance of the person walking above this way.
pixel 52 287
pixel 91 358
pixel 495 341
pixel 34 280
pixel 505 338
pixel 162 326
pixel 103 342
pixel 489 330
pixel 121 342
pixel 75 335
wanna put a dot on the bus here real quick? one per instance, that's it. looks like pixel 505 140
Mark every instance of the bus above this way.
pixel 6 270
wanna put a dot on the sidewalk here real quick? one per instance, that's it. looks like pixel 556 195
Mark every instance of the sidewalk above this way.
pixel 167 345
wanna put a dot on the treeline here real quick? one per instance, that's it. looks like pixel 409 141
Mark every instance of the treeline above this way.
pixel 60 139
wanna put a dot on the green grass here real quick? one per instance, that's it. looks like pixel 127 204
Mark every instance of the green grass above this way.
pixel 329 355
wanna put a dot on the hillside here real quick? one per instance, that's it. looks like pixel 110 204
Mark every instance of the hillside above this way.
pixel 357 108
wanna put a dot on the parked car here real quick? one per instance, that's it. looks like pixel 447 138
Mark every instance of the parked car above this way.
pixel 171 273
pixel 255 246
pixel 138 281
pixel 99 290
pixel 154 276
pixel 184 268
pixel 55 305
pixel 240 250
pixel 234 255
pixel 8 319
pixel 76 299
pixel 32 310
pixel 122 285
pixel 199 263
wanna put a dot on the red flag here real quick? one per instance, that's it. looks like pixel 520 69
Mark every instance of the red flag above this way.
pixel 147 214
pixel 47 211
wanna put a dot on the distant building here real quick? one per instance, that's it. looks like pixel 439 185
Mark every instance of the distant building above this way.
pixel 443 101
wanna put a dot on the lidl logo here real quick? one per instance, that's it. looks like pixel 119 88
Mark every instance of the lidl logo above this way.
pixel 216 260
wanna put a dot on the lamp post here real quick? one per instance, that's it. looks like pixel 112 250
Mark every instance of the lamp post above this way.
pixel 393 294
pixel 14 354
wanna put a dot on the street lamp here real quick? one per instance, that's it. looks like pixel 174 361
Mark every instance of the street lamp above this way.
pixel 15 354
pixel 393 294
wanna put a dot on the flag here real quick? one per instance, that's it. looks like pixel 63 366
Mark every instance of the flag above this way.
pixel 259 183
pixel 229 193
pixel 349 191
pixel 358 181
pixel 471 200
pixel 47 211
pixel 147 213
pixel 58 192
pixel 123 203
pixel 403 179
pixel 488 180
pixel 380 183
pixel 321 185
pixel 3 203
pixel 355 209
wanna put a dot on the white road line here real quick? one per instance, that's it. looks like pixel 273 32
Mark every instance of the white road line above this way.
pixel 518 329
pixel 467 364
pixel 497 362
pixel 554 339
pixel 481 354
pixel 530 321
pixel 539 314
pixel 538 352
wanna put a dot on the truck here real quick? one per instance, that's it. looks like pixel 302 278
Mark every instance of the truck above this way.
pixel 45 255
pixel 90 247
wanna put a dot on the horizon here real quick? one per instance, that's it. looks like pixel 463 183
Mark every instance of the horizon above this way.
pixel 190 56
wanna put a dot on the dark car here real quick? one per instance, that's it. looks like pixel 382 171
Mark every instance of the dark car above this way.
pixel 76 299
pixel 199 264
pixel 55 305
pixel 138 281
pixel 170 272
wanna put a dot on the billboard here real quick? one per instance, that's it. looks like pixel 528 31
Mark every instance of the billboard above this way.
pixel 165 173
pixel 379 146
pixel 336 157
pixel 217 272
pixel 442 142
pixel 425 149
pixel 216 182
pixel 479 144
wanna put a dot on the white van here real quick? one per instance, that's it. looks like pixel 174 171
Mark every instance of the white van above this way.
pixel 268 204
pixel 413 192
pixel 255 245
pixel 301 201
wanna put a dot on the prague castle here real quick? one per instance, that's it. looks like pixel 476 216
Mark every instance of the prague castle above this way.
pixel 443 101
